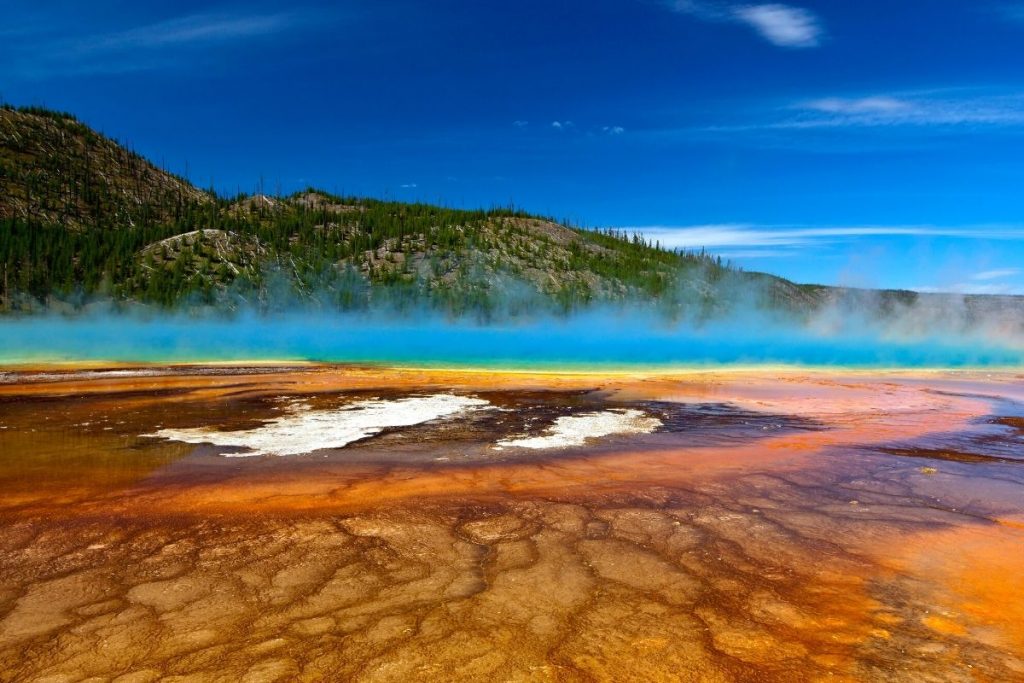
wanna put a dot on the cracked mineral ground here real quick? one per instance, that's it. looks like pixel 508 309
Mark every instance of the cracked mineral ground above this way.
pixel 371 524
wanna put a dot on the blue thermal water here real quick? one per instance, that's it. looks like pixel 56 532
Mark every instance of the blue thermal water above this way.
pixel 598 340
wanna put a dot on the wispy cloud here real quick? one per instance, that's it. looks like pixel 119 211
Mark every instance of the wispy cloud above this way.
pixel 912 114
pixel 998 274
pixel 750 236
pixel 782 25
pixel 613 130
pixel 757 253
pixel 746 242
pixel 198 28
pixel 56 53
pixel 562 125
pixel 877 104
pixel 912 109
pixel 971 288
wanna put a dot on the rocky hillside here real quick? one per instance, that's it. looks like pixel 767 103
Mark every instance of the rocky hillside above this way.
pixel 318 248
pixel 54 169
pixel 84 220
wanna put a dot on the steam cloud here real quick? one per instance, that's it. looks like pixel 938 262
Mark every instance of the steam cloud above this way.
pixel 857 329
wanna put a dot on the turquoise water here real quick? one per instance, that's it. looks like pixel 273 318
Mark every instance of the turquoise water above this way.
pixel 599 340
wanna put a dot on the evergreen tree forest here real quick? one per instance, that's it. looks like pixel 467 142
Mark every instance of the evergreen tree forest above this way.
pixel 83 219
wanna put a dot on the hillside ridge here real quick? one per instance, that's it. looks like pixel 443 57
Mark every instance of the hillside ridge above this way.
pixel 55 169
pixel 85 221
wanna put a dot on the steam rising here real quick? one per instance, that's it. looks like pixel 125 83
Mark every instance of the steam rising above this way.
pixel 844 334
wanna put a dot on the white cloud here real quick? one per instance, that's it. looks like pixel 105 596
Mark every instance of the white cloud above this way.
pixel 941 110
pixel 520 124
pixel 971 288
pixel 766 236
pixel 981 283
pixel 779 24
pixel 998 274
pixel 782 25
pixel 928 109
pixel 614 130
pixel 561 125
pixel 410 185
pixel 40 53
pixel 879 104
pixel 182 30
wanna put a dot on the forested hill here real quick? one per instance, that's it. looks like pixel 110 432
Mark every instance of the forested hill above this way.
pixel 82 219
pixel 85 221
pixel 55 170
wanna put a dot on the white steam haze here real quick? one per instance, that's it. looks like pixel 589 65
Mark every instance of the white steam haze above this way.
pixel 734 322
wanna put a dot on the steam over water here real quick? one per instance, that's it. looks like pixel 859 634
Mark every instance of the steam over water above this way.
pixel 595 339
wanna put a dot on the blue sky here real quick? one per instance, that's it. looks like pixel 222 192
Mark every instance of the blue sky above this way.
pixel 865 143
